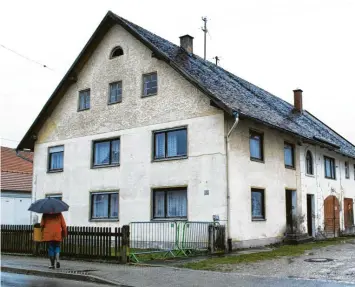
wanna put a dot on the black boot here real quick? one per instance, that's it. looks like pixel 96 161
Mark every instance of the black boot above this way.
pixel 51 258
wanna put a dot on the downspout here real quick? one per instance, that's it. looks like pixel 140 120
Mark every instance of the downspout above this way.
pixel 236 120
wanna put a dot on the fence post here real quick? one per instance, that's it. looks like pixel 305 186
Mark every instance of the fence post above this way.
pixel 125 244
pixel 210 238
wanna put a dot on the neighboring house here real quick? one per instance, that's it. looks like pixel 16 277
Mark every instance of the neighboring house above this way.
pixel 140 129
pixel 16 186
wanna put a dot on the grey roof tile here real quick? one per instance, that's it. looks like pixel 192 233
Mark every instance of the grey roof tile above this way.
pixel 244 97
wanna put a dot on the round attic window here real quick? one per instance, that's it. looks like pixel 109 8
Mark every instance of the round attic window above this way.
pixel 116 52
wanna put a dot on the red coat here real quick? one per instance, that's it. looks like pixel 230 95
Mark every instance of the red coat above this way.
pixel 54 227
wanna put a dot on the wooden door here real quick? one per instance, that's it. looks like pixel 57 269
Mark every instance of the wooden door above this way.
pixel 348 212
pixel 331 216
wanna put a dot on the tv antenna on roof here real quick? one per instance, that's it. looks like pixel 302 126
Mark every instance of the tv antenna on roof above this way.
pixel 204 29
pixel 217 59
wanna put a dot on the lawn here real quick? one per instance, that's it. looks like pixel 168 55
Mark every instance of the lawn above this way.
pixel 283 250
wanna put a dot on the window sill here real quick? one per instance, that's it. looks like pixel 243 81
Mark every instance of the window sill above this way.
pixel 169 219
pixel 258 219
pixel 257 160
pixel 330 178
pixel 55 171
pixel 103 166
pixel 114 103
pixel 310 175
pixel 103 220
pixel 290 167
pixel 82 110
pixel 170 158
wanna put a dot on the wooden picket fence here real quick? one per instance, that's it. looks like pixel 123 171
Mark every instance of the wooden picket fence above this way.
pixel 82 242
pixel 16 238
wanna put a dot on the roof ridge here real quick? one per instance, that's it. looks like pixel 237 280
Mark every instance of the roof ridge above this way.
pixel 228 91
pixel 329 128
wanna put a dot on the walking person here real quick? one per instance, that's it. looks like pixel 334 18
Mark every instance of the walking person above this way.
pixel 54 230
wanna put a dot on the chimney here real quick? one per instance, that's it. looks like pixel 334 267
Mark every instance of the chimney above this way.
pixel 186 42
pixel 297 99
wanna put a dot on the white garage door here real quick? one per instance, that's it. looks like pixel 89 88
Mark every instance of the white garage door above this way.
pixel 14 210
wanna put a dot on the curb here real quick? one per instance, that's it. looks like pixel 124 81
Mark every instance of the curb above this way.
pixel 61 275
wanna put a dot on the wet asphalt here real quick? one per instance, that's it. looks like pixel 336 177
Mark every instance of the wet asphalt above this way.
pixel 11 280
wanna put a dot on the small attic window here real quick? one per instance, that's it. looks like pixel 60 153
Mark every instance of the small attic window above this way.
pixel 116 52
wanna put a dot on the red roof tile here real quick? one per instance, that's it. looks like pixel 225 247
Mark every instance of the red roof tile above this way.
pixel 16 173
pixel 13 181
pixel 11 162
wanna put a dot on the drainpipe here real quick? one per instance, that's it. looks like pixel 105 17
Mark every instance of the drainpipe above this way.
pixel 236 120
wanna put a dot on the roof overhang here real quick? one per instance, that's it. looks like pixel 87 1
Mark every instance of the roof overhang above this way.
pixel 70 77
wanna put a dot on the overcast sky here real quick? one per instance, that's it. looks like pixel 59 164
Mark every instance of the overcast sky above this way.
pixel 278 45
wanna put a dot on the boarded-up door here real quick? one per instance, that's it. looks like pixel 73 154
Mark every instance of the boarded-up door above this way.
pixel 348 212
pixel 331 216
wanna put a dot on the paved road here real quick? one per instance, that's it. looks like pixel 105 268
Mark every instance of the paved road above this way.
pixel 14 280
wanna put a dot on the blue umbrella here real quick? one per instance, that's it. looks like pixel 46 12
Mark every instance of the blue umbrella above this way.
pixel 49 205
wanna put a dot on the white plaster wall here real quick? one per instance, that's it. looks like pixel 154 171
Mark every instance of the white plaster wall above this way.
pixel 138 175
pixel 177 103
pixel 176 100
pixel 322 187
pixel 270 175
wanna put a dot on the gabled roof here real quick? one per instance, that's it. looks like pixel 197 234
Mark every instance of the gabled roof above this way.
pixel 226 90
pixel 16 173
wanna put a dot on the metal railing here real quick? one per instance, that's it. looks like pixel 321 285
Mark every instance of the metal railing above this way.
pixel 173 238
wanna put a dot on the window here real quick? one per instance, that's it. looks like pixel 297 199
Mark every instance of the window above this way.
pixel 55 158
pixel 256 145
pixel 84 100
pixel 257 204
pixel 150 84
pixel 115 93
pixel 116 52
pixel 170 203
pixel 347 170
pixel 170 143
pixel 329 166
pixel 309 163
pixel 354 171
pixel 104 205
pixel 289 155
pixel 107 152
pixel 56 196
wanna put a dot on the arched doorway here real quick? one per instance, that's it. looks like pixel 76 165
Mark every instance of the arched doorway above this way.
pixel 331 216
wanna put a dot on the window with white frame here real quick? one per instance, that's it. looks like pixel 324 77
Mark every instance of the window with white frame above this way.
pixel 170 203
pixel 55 158
pixel 170 143
pixel 104 205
